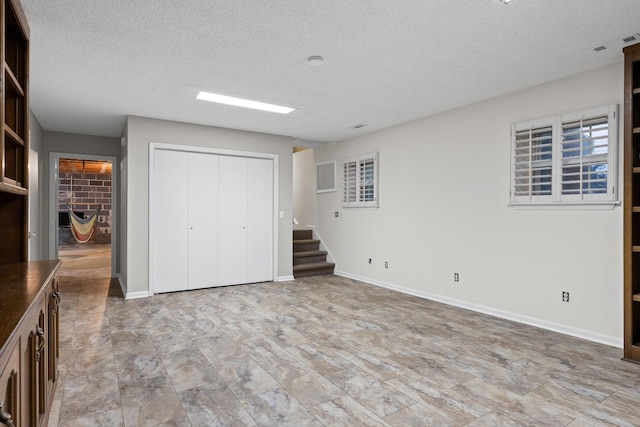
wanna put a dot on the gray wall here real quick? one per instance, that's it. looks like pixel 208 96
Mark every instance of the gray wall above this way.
pixel 142 131
pixel 73 144
pixel 36 142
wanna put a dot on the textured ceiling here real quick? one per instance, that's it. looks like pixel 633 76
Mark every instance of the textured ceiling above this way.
pixel 93 62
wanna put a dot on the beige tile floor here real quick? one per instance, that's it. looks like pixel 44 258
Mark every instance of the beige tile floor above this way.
pixel 321 351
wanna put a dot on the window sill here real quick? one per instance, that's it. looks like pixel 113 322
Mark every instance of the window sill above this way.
pixel 566 206
pixel 361 207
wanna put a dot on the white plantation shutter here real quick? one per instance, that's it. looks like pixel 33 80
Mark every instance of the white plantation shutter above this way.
pixel 568 159
pixel 532 163
pixel 350 182
pixel 360 181
pixel 585 158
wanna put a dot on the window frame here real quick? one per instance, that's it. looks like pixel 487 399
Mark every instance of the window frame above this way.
pixel 559 196
pixel 352 185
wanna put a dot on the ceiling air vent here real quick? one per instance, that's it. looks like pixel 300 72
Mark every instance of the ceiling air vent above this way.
pixel 599 48
pixel 631 38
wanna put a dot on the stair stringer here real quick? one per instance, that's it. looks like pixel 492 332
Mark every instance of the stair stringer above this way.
pixel 323 247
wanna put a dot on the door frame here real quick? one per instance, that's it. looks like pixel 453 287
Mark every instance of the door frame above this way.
pixel 54 161
pixel 153 146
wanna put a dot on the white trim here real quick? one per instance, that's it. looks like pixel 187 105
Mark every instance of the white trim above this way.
pixel 54 160
pixel 323 247
pixel 555 327
pixel 137 295
pixel 286 279
pixel 123 286
pixel 567 206
pixel 153 146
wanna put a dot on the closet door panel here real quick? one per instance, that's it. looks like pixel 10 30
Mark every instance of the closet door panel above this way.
pixel 170 235
pixel 203 220
pixel 233 220
pixel 260 220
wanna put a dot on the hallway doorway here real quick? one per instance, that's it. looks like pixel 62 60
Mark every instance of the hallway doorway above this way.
pixel 83 210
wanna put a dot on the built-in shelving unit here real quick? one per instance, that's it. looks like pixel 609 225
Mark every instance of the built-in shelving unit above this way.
pixel 14 144
pixel 632 204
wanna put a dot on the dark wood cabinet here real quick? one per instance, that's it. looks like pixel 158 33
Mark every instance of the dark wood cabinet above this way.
pixel 14 137
pixel 29 346
pixel 632 203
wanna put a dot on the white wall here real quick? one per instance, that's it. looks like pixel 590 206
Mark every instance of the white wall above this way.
pixel 444 194
pixel 139 133
pixel 304 188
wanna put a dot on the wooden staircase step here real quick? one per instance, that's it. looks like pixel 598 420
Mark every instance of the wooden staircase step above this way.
pixel 306 245
pixel 309 253
pixel 305 241
pixel 302 234
pixel 309 257
pixel 313 269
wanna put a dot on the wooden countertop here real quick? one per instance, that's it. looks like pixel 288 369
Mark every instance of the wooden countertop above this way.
pixel 20 285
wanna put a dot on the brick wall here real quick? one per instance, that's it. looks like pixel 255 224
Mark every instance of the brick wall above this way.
pixel 88 190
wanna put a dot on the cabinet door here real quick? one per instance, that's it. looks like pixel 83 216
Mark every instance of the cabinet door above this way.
pixel 170 213
pixel 53 350
pixel 10 389
pixel 233 220
pixel 203 220
pixel 33 376
pixel 260 220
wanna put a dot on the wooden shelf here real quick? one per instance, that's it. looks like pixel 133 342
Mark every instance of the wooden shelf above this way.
pixel 12 188
pixel 13 135
pixel 13 80
pixel 631 204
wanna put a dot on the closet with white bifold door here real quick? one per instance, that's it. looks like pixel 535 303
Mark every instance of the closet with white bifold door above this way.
pixel 212 220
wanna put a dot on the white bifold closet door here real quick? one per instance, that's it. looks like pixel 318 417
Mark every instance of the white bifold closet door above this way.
pixel 213 220
pixel 203 235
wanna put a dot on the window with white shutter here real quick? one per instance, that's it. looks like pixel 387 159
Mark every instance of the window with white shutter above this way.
pixel 360 181
pixel 532 162
pixel 568 159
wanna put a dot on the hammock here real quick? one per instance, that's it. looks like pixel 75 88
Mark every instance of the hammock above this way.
pixel 83 228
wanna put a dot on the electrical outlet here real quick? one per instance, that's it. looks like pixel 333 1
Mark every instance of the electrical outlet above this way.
pixel 369 260
pixel 336 214
pixel 386 264
pixel 456 277
pixel 565 296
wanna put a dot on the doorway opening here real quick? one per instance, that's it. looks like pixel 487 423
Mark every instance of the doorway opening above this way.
pixel 84 215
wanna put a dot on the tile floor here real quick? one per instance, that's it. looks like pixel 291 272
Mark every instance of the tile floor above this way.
pixel 321 351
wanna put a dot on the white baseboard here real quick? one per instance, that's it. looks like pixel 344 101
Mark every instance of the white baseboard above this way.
pixel 130 295
pixel 555 327
pixel 135 295
pixel 285 279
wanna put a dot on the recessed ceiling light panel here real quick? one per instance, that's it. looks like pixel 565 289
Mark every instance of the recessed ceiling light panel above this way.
pixel 240 102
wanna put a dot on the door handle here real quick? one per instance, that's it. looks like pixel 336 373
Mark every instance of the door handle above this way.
pixel 5 418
